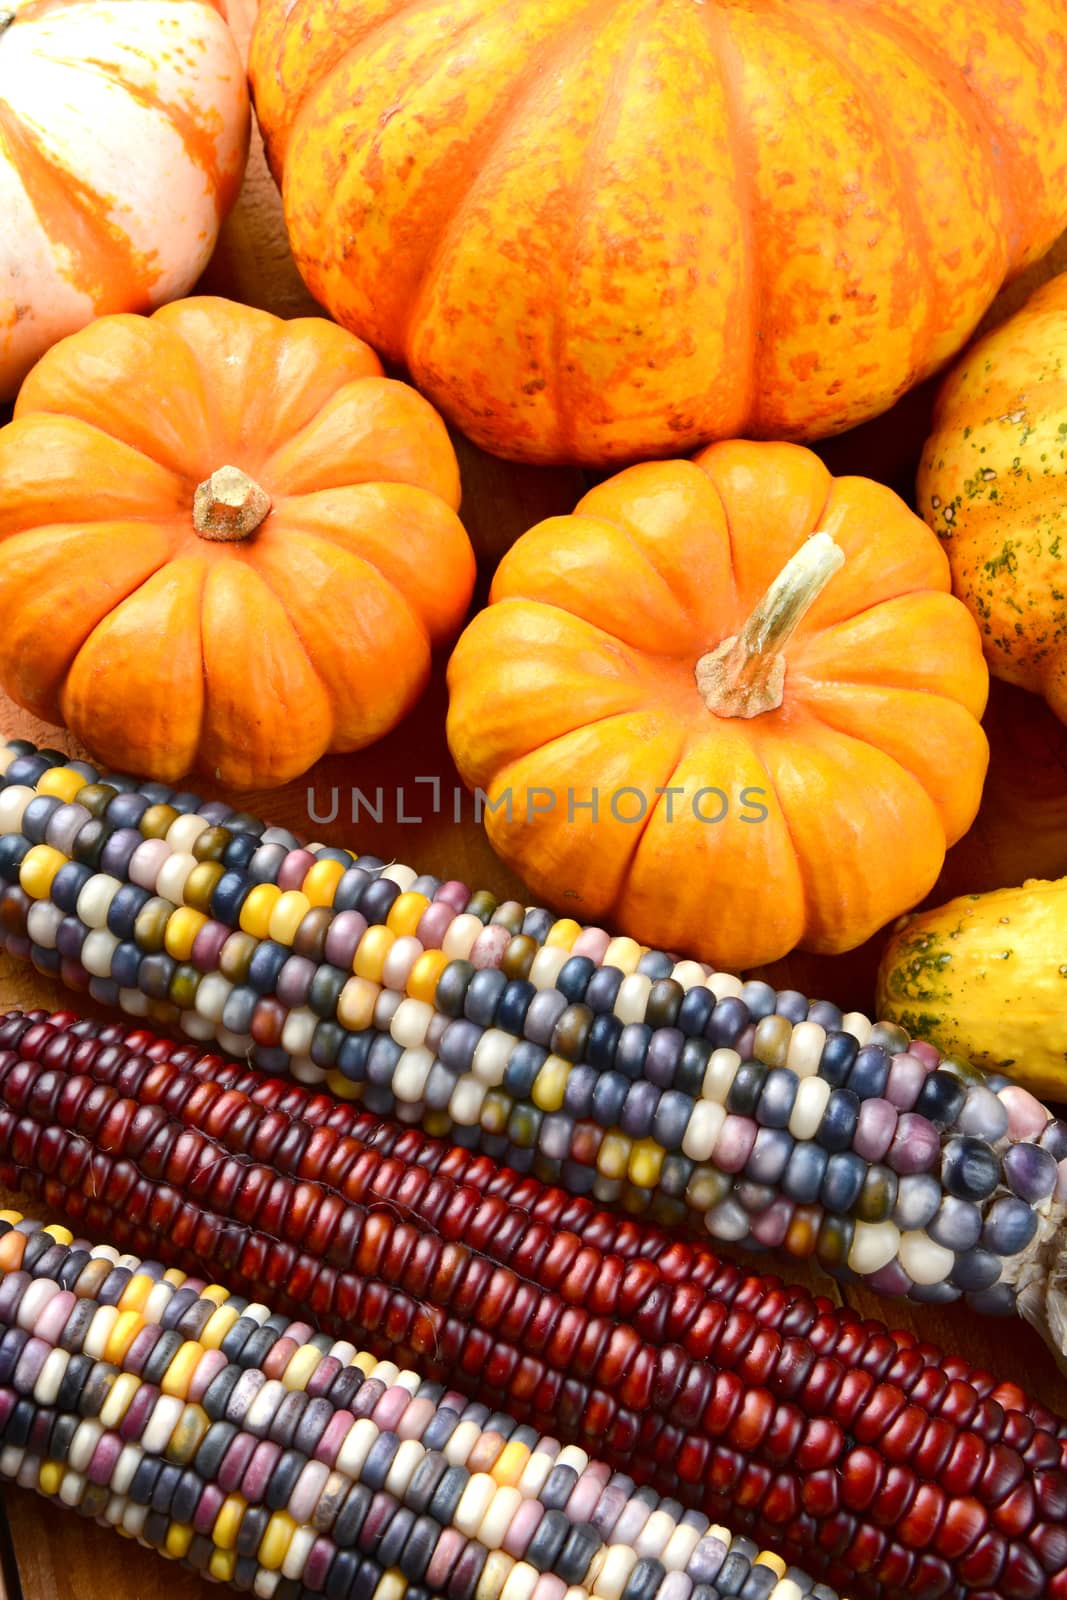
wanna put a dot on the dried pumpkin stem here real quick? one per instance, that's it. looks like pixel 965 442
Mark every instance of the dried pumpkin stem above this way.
pixel 229 505
pixel 745 675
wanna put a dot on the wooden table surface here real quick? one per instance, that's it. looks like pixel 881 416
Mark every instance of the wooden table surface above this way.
pixel 1021 832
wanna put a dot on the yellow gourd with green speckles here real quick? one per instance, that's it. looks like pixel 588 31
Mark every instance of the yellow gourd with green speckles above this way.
pixel 993 486
pixel 985 976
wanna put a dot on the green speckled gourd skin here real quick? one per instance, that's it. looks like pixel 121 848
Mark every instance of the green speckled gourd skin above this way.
pixel 993 486
pixel 985 976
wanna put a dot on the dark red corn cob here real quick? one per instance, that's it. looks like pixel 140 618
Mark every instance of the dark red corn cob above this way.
pixel 881 1566
pixel 183 1222
pixel 311 1135
pixel 712 1437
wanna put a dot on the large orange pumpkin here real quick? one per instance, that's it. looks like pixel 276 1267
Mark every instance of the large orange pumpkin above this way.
pixel 604 231
pixel 694 723
pixel 123 133
pixel 226 541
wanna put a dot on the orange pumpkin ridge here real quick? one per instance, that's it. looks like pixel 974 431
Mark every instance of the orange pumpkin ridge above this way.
pixel 227 541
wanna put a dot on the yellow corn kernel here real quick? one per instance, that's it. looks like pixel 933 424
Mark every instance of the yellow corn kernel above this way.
pixel 135 1295
pixel 563 933
pixel 257 909
pixel 118 1400
pixel 288 913
pixel 50 1477
pixel 510 1464
pixel 217 1327
pixel 217 1292
pixel 222 1564
pixel 406 913
pixel 228 1521
pixel 425 975
pixel 613 1157
pixel 179 1375
pixel 38 870
pixel 183 925
pixel 495 1574
pixel 623 953
pixel 767 1558
pixel 356 1002
pixel 62 783
pixel 369 958
pixel 550 1085
pixel 277 1537
pixel 646 1159
pixel 58 1232
pixel 302 1364
pixel 392 1585
pixel 179 1538
pixel 320 884
pixel 127 1326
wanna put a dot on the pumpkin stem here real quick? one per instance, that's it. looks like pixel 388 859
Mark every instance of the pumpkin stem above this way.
pixel 745 675
pixel 6 19
pixel 229 505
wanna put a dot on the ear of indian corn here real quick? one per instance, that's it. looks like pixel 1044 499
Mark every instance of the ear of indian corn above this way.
pixel 416 1175
pixel 624 1071
pixel 719 1412
pixel 221 1433
pixel 778 1120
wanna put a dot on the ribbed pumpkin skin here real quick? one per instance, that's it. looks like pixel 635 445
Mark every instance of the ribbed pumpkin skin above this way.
pixel 604 229
pixel 993 486
pixel 123 134
pixel 163 650
pixel 580 676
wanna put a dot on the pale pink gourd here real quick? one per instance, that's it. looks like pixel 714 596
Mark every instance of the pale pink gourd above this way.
pixel 123 135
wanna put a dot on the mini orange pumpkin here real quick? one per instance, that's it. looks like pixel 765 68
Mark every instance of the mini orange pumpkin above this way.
pixel 789 780
pixel 226 541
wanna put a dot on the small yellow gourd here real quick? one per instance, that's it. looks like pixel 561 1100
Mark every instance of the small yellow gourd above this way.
pixel 985 976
